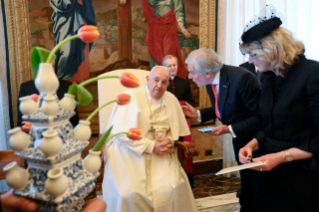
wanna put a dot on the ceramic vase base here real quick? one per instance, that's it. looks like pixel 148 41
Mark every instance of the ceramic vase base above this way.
pixel 72 203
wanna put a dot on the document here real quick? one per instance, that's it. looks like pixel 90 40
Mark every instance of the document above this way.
pixel 240 167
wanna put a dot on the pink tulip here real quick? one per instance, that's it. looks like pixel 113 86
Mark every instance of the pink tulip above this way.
pixel 35 97
pixel 134 134
pixel 26 126
pixel 129 80
pixel 123 99
pixel 88 33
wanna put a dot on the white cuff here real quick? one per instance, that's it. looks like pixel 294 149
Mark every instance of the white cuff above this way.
pixel 231 131
pixel 199 118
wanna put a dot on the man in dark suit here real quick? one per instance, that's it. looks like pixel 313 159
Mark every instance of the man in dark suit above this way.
pixel 182 90
pixel 234 93
pixel 28 88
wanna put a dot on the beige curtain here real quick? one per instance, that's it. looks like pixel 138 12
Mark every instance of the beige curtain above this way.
pixel 19 46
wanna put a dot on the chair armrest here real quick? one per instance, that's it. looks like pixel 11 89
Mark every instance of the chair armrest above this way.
pixel 190 150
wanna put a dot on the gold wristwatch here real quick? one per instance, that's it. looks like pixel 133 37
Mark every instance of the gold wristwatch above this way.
pixel 288 156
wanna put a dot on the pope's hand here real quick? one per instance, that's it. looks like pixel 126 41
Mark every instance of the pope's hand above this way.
pixel 220 130
pixel 189 111
pixel 163 146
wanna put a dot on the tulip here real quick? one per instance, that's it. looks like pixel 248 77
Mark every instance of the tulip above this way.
pixel 129 80
pixel 88 33
pixel 26 126
pixel 35 97
pixel 134 134
pixel 123 99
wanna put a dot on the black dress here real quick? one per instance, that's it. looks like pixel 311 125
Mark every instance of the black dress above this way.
pixel 290 118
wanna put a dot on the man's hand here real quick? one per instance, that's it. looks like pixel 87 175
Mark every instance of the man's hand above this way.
pixel 95 204
pixel 189 111
pixel 220 130
pixel 11 202
pixel 163 146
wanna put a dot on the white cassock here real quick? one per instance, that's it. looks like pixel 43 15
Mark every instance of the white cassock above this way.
pixel 135 178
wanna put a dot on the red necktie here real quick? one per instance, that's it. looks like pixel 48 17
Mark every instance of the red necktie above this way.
pixel 216 101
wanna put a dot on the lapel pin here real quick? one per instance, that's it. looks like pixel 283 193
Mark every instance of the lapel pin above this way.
pixel 224 86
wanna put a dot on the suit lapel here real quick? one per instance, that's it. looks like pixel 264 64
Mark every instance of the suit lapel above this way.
pixel 223 89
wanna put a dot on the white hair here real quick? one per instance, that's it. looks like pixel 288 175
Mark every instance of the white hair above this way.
pixel 155 67
pixel 205 60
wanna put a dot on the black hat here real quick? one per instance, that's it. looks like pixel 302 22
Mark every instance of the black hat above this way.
pixel 261 30
pixel 263 24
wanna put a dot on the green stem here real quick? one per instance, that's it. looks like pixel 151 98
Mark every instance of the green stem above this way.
pixel 95 79
pixel 117 134
pixel 59 45
pixel 98 109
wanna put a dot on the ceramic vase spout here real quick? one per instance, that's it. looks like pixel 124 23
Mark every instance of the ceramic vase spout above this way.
pixel 92 162
pixel 46 81
pixel 68 103
pixel 19 140
pixel 27 105
pixel 57 182
pixel 82 131
pixel 16 176
pixel 51 144
pixel 50 106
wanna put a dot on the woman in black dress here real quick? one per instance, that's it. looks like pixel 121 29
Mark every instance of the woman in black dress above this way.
pixel 289 105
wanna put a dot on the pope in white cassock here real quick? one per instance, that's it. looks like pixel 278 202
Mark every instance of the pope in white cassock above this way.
pixel 145 175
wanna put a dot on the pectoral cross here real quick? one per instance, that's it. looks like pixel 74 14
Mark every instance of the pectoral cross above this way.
pixel 152 130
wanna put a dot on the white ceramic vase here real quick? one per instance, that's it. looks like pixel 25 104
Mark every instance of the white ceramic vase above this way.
pixel 68 103
pixel 57 182
pixel 46 81
pixel 82 131
pixel 92 162
pixel 19 140
pixel 27 105
pixel 50 106
pixel 16 176
pixel 51 143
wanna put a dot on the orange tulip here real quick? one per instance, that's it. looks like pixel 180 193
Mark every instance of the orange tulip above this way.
pixel 123 99
pixel 134 134
pixel 35 97
pixel 26 126
pixel 129 80
pixel 88 33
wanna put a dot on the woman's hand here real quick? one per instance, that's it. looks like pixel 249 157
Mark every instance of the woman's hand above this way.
pixel 271 160
pixel 246 152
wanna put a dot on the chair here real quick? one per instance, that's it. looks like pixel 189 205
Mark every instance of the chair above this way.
pixel 6 157
pixel 108 89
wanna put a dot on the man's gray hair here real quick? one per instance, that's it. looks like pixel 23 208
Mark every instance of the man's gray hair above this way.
pixel 155 67
pixel 205 60
pixel 168 57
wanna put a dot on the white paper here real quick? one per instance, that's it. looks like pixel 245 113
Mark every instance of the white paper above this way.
pixel 240 167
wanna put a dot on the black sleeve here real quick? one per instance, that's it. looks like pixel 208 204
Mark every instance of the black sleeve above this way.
pixel 249 90
pixel 188 94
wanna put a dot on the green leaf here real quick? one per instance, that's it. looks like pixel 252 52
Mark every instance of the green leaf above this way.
pixel 38 55
pixel 72 89
pixel 84 96
pixel 101 141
